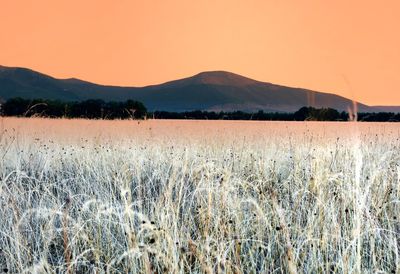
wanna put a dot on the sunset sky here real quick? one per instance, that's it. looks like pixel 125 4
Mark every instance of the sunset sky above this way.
pixel 347 47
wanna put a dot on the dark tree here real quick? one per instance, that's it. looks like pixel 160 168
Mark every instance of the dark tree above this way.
pixel 89 109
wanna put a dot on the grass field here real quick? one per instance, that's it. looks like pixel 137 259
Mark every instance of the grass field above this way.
pixel 79 196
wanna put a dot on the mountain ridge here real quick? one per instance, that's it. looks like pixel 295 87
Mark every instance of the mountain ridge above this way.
pixel 209 90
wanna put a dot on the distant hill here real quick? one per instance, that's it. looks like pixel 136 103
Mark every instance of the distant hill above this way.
pixel 395 109
pixel 214 90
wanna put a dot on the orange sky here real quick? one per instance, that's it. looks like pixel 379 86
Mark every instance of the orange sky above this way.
pixel 348 47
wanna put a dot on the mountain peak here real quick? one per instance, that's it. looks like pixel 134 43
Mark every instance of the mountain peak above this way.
pixel 4 68
pixel 223 78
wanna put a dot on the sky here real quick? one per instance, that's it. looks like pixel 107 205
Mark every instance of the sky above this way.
pixel 347 47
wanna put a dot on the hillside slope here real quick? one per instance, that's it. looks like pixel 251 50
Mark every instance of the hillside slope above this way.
pixel 214 90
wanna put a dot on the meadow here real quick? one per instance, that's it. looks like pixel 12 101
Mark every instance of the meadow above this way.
pixel 157 196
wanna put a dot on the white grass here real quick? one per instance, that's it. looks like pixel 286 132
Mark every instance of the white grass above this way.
pixel 82 196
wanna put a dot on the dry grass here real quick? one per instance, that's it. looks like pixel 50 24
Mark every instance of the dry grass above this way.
pixel 198 197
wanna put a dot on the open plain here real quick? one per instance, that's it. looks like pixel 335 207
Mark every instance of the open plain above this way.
pixel 157 196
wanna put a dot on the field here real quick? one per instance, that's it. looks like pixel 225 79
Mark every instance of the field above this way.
pixel 80 196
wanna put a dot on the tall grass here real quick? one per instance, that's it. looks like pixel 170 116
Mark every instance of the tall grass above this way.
pixel 198 197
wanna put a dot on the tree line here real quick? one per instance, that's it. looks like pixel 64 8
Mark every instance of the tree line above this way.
pixel 130 109
pixel 303 114
pixel 89 109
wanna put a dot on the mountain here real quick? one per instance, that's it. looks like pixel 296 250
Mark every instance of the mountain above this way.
pixel 214 90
